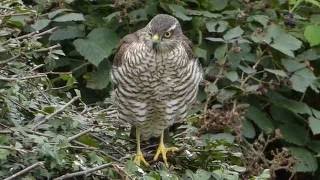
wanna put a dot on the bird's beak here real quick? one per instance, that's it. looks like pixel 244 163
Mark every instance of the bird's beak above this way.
pixel 155 40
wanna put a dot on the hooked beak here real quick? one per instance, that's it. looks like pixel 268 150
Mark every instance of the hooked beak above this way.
pixel 155 40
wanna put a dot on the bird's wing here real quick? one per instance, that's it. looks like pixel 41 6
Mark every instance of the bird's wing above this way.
pixel 187 44
pixel 123 46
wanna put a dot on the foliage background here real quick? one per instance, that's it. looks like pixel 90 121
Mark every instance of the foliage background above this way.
pixel 258 114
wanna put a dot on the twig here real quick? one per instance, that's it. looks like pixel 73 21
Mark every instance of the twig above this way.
pixel 34 34
pixel 48 48
pixel 85 172
pixel 14 176
pixel 13 149
pixel 79 134
pixel 22 78
pixel 56 112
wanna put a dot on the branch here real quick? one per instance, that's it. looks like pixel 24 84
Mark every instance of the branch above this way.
pixel 14 176
pixel 56 112
pixel 80 173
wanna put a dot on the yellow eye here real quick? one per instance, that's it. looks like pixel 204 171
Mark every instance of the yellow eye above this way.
pixel 167 34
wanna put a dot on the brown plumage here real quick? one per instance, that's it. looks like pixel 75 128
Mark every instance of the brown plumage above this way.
pixel 156 77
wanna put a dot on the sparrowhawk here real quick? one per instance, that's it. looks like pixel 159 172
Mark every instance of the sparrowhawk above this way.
pixel 156 78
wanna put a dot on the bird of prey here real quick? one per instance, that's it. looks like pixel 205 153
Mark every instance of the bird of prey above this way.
pixel 156 78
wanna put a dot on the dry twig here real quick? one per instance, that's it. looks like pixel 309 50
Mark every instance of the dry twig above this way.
pixel 14 176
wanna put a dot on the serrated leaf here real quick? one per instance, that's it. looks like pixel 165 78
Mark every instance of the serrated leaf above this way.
pixel 68 32
pixel 302 79
pixel 314 125
pixel 69 17
pixel 99 44
pixel 306 161
pixel 312 34
pixel 260 119
pixel 233 33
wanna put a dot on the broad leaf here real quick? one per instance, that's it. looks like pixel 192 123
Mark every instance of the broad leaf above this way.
pixel 180 12
pixel 99 44
pixel 68 32
pixel 312 34
pixel 70 17
pixel 306 161
pixel 260 119
pixel 314 125
pixel 233 33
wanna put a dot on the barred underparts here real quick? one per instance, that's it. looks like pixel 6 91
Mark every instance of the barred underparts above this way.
pixel 155 84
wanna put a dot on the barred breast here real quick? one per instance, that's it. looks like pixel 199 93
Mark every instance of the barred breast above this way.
pixel 154 90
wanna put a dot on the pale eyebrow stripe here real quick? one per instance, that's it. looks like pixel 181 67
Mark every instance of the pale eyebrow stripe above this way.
pixel 172 27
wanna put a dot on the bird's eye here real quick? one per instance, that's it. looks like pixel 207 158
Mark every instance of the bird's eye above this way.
pixel 167 34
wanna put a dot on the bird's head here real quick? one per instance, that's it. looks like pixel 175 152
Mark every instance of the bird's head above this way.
pixel 164 32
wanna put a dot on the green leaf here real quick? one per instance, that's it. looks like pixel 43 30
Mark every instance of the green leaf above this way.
pixel 56 12
pixel 306 161
pixel 276 72
pixel 292 65
pixel 278 39
pixel 260 119
pixel 180 12
pixel 100 78
pixel 99 44
pixel 247 129
pixel 302 79
pixel 40 24
pixel 217 26
pixel 262 19
pixel 233 33
pixel 218 5
pixel 137 15
pixel 292 105
pixel 312 34
pixel 314 125
pixel 4 154
pixel 69 17
pixel 294 133
pixel 68 32
pixel 283 41
pixel 232 76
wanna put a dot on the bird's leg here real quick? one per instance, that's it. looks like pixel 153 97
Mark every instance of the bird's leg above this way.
pixel 163 150
pixel 139 156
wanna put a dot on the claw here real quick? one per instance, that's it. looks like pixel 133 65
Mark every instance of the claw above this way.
pixel 163 151
pixel 139 158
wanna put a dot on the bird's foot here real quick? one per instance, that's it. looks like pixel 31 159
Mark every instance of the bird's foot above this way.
pixel 163 151
pixel 139 158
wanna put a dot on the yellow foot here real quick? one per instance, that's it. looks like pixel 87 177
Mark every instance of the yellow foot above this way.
pixel 139 158
pixel 163 151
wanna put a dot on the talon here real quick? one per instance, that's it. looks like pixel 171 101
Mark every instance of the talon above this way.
pixel 139 158
pixel 163 151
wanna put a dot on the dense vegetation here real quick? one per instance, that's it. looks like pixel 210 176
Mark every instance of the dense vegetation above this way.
pixel 257 116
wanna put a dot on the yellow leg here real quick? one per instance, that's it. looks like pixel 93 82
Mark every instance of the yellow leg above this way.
pixel 163 151
pixel 139 156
